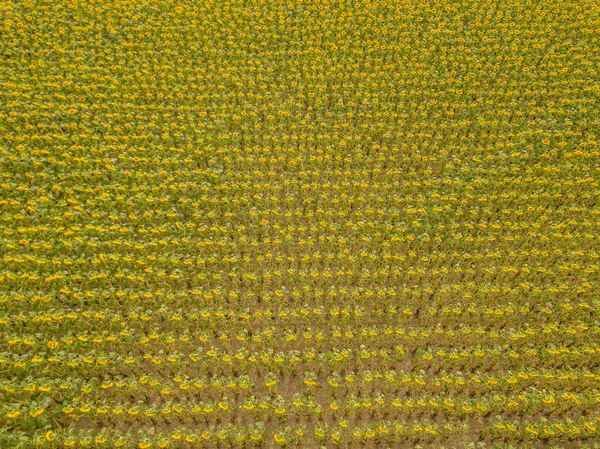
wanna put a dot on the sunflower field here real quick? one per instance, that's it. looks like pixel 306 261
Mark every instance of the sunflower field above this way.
pixel 299 223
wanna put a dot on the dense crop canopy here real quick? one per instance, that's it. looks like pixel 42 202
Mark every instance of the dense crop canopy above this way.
pixel 299 224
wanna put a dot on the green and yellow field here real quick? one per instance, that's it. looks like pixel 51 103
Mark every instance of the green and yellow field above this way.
pixel 239 224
